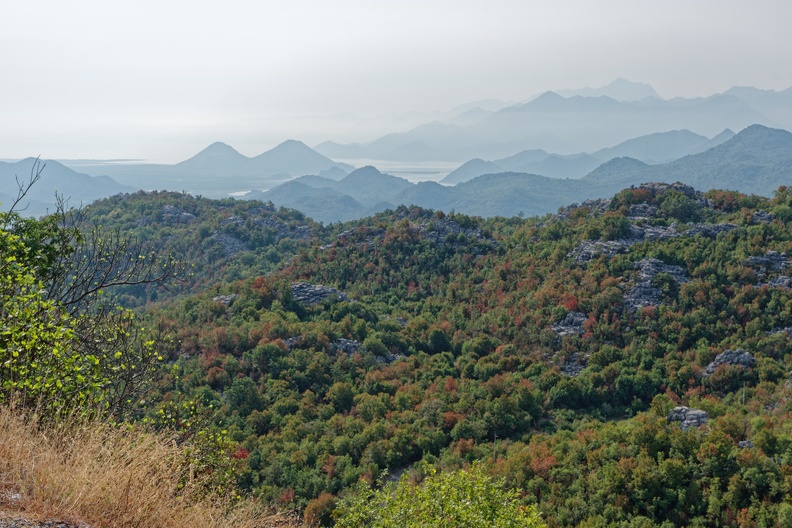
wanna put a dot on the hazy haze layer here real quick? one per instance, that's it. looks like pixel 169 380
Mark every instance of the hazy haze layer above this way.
pixel 160 81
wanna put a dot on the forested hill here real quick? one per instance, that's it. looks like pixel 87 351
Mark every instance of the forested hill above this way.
pixel 219 240
pixel 623 362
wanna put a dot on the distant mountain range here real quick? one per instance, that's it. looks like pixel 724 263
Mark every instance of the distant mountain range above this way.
pixel 571 121
pixel 652 149
pixel 74 187
pixel 757 160
pixel 219 168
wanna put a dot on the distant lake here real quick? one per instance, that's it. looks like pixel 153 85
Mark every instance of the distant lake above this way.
pixel 414 171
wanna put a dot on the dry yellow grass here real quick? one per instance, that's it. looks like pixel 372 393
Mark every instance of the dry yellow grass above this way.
pixel 108 477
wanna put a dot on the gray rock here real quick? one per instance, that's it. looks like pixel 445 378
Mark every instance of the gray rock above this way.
pixel 653 233
pixel 745 444
pixel 174 215
pixel 642 210
pixel 644 293
pixel 445 231
pixel 709 230
pixel 762 217
pixel 787 331
pixel 688 418
pixel 349 346
pixel 310 294
pixel 730 357
pixel 589 250
pixel 650 268
pixel 225 299
pixel 782 281
pixel 771 261
pixel 571 324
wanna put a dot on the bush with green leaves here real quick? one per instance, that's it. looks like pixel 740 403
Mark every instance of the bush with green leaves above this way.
pixel 465 498
pixel 65 346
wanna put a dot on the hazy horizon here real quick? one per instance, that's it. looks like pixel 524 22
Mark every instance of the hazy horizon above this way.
pixel 160 82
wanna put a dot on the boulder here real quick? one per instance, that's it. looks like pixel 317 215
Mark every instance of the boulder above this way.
pixel 571 324
pixel 745 444
pixel 688 418
pixel 730 357
pixel 445 230
pixel 310 294
pixel 225 299
pixel 173 215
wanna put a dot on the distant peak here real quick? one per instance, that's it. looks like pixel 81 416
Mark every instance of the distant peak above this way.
pixel 293 143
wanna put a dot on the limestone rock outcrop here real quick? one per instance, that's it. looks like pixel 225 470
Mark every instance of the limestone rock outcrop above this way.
pixel 730 357
pixel 311 294
pixel 688 418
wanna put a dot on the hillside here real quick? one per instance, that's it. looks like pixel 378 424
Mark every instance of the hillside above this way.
pixel 608 356
pixel 757 160
pixel 220 240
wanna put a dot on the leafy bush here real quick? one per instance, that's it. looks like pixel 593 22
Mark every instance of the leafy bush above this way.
pixel 460 499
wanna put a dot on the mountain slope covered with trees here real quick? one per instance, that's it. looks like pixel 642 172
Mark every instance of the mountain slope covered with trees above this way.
pixel 623 362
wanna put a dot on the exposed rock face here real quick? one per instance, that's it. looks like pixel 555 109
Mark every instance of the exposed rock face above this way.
pixel 745 444
pixel 786 331
pixel 231 245
pixel 642 210
pixel 173 215
pixel 730 357
pixel 309 294
pixel 771 261
pixel 571 324
pixel 689 418
pixel 709 230
pixel 350 346
pixel 762 217
pixel 658 232
pixel 233 220
pixel 782 281
pixel 225 299
pixel 588 250
pixel 644 293
pixel 445 231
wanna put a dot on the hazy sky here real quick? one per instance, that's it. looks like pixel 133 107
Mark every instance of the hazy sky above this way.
pixel 162 79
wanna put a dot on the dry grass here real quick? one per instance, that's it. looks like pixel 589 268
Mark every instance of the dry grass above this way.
pixel 108 477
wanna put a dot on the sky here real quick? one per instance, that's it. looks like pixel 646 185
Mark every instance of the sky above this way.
pixel 160 80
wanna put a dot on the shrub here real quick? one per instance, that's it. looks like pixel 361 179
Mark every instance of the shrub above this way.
pixel 466 498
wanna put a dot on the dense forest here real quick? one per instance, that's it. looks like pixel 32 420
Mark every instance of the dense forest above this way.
pixel 622 362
